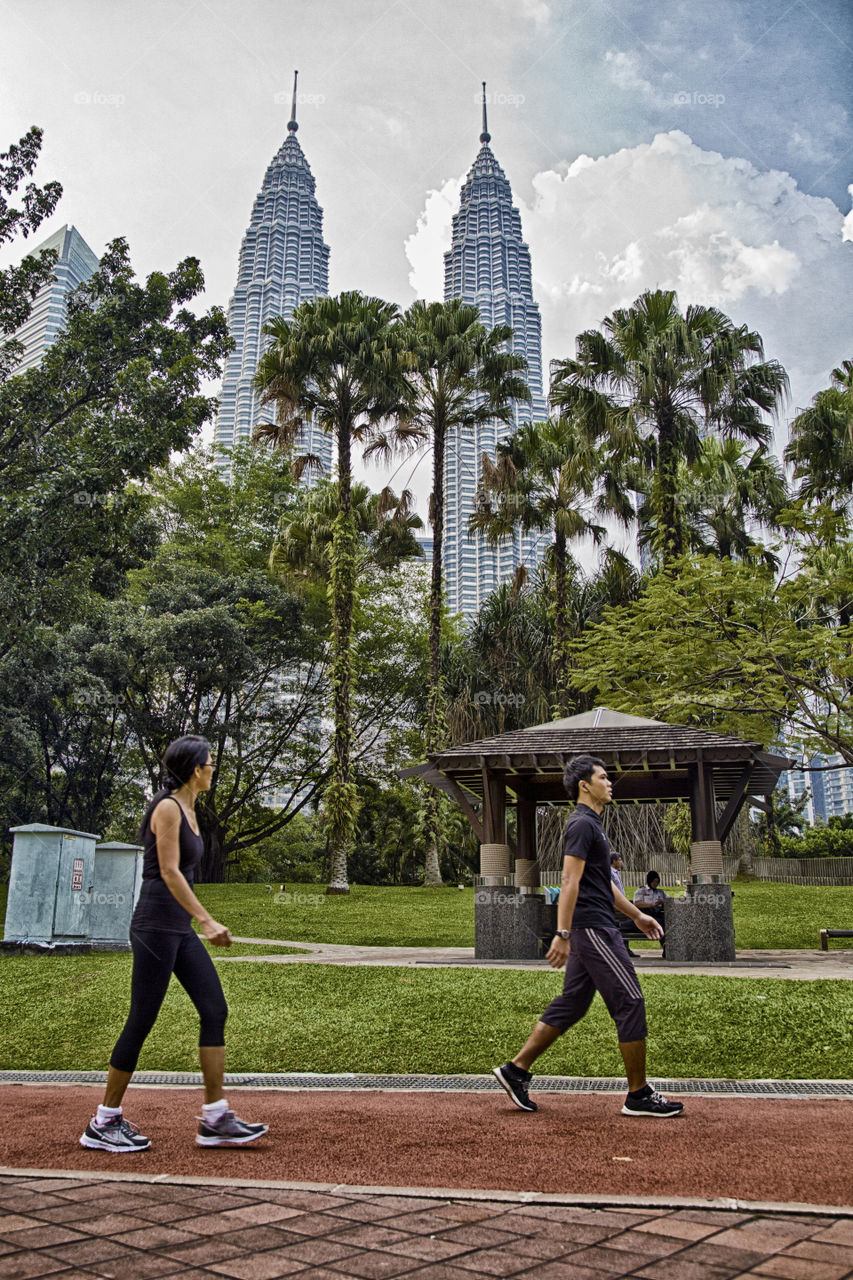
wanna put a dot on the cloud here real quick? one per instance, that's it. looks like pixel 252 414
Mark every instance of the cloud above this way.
pixel 668 214
pixel 536 11
pixel 624 70
pixel 847 230
pixel 426 246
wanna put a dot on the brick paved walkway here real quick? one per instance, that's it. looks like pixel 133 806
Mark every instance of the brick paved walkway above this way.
pixel 128 1230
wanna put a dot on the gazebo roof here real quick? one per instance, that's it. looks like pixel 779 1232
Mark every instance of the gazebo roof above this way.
pixel 647 759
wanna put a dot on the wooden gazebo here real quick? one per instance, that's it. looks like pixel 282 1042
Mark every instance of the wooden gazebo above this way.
pixel 647 761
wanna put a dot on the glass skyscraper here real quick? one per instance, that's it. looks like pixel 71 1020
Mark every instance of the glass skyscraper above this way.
pixel 76 263
pixel 488 264
pixel 283 261
pixel 830 788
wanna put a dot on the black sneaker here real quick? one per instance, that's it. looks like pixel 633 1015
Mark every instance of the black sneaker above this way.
pixel 117 1134
pixel 653 1104
pixel 228 1131
pixel 515 1081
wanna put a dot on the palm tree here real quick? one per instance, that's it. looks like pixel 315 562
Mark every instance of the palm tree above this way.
pixel 727 496
pixel 821 447
pixel 550 477
pixel 463 376
pixel 384 523
pixel 339 362
pixel 500 676
pixel 654 382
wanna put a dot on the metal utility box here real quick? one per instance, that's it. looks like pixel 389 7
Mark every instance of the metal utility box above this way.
pixel 53 874
pixel 117 881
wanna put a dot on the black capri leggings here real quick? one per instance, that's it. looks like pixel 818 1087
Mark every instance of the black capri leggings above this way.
pixel 156 956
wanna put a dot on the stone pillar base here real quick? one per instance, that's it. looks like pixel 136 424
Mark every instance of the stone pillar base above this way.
pixel 507 924
pixel 699 926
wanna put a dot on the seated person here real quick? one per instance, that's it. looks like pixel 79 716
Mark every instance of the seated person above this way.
pixel 616 870
pixel 651 898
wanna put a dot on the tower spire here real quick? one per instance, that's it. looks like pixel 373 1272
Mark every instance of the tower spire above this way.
pixel 485 136
pixel 292 126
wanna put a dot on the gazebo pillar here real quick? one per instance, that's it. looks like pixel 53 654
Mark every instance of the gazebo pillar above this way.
pixel 706 850
pixel 494 851
pixel 700 925
pixel 507 918
pixel 526 864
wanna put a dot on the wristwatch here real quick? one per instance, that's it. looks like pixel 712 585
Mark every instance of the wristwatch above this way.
pixel 565 934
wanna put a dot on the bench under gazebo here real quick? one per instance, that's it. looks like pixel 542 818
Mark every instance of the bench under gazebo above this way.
pixel 647 761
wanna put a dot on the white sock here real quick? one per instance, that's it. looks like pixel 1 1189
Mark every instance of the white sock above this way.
pixel 105 1114
pixel 213 1110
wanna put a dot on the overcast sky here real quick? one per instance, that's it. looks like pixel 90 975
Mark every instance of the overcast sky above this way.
pixel 706 147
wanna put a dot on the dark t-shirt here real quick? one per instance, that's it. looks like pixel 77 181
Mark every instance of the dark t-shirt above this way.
pixel 584 837
pixel 157 907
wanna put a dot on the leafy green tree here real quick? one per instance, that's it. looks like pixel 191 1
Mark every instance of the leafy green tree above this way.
pixel 203 640
pixel 729 496
pixel 117 391
pixel 340 362
pixel 550 478
pixel 831 839
pixel 653 382
pixel 19 285
pixel 821 453
pixel 114 395
pixel 464 375
pixel 678 825
pixel 779 817
pixel 726 645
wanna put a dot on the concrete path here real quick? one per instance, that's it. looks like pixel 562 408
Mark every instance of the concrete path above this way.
pixel 749 964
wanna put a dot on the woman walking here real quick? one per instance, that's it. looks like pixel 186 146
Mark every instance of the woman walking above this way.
pixel 164 943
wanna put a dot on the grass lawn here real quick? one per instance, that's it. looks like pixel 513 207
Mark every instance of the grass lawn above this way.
pixel 772 916
pixel 64 1013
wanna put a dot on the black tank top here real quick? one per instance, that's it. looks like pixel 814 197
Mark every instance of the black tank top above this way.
pixel 157 907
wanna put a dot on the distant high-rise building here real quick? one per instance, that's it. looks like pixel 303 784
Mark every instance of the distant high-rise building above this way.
pixel 830 787
pixel 75 264
pixel 488 264
pixel 283 261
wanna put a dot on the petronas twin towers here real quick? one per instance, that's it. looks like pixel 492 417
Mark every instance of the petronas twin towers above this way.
pixel 284 261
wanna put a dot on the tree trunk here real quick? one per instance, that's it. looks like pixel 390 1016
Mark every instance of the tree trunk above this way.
pixel 560 626
pixel 341 799
pixel 432 870
pixel 668 513
pixel 214 858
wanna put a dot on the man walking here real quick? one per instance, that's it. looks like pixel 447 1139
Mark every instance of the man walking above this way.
pixel 592 949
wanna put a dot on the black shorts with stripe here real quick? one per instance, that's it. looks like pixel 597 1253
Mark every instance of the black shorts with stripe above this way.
pixel 599 961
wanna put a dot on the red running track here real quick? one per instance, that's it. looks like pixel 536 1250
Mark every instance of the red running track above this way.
pixel 751 1149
